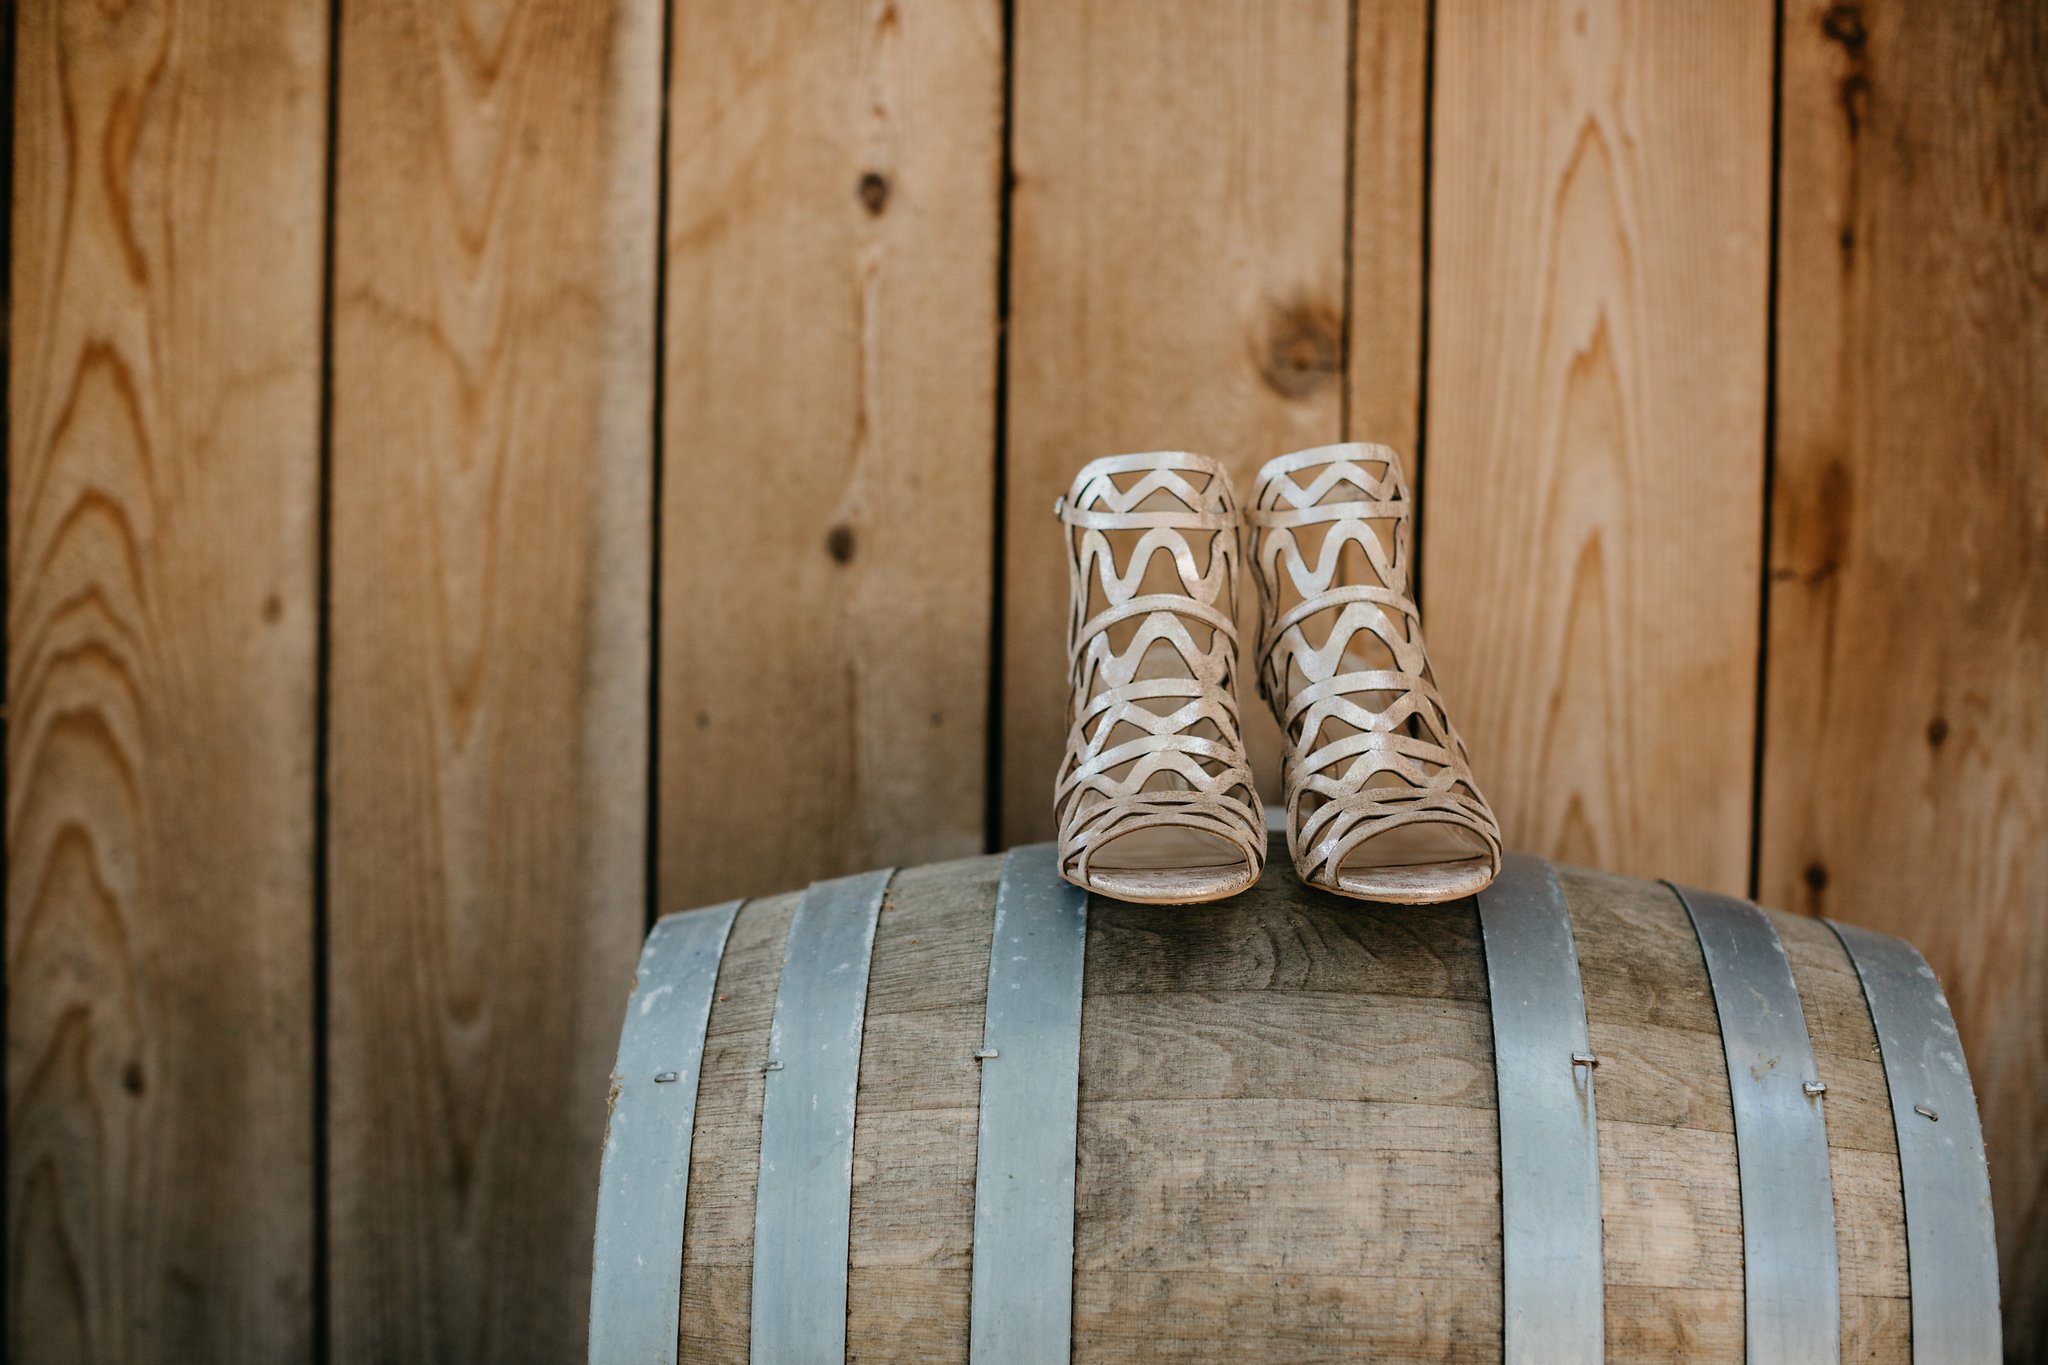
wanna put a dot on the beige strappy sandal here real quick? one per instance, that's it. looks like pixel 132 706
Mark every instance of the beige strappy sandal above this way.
pixel 1155 799
pixel 1379 798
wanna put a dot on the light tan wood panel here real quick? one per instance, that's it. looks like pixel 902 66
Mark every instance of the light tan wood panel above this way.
pixel 1592 521
pixel 829 438
pixel 492 570
pixel 1390 111
pixel 1906 729
pixel 1177 281
pixel 162 616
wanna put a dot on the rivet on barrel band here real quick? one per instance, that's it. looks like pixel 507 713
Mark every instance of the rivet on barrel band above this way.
pixel 1951 1253
pixel 1549 1148
pixel 645 1180
pixel 1791 1282
pixel 803 1201
pixel 1023 1292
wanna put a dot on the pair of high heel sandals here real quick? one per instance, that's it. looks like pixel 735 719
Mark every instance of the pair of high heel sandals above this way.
pixel 1155 799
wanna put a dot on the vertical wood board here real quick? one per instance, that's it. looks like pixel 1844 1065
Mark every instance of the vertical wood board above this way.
pixel 1592 523
pixel 492 571
pixel 163 438
pixel 828 442
pixel 1389 148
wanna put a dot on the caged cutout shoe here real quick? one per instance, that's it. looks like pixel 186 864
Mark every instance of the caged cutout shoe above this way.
pixel 1378 793
pixel 1155 799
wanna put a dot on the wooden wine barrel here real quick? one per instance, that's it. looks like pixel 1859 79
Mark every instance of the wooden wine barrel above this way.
pixel 1285 1126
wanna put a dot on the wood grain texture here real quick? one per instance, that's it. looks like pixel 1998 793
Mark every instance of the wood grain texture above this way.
pixel 918 1124
pixel 1592 525
pixel 1906 730
pixel 718 1223
pixel 1670 1197
pixel 1389 147
pixel 1287 1144
pixel 492 569
pixel 1177 283
pixel 829 438
pixel 163 434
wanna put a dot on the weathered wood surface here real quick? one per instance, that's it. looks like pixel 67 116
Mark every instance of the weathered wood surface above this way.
pixel 1905 765
pixel 1287 1139
pixel 1670 1200
pixel 1592 518
pixel 718 1224
pixel 835 191
pixel 162 618
pixel 495 251
pixel 1177 282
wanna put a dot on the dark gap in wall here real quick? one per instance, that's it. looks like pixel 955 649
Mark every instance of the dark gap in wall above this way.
pixel 1770 469
pixel 992 763
pixel 1350 223
pixel 650 875
pixel 7 17
pixel 323 655
pixel 1418 458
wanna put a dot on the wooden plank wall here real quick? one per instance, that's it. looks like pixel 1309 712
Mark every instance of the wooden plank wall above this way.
pixel 481 474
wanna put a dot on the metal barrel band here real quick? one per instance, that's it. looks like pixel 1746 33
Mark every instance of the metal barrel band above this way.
pixel 644 1185
pixel 1549 1149
pixel 1791 1279
pixel 1951 1253
pixel 1021 1307
pixel 803 1201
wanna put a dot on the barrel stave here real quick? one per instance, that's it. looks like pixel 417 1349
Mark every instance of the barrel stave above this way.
pixel 1863 1150
pixel 910 1253
pixel 1394 1048
pixel 1315 1315
pixel 1844 1043
pixel 718 1230
pixel 1280 936
pixel 1670 1207
pixel 1280 1089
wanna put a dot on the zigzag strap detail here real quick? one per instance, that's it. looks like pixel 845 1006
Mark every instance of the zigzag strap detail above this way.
pixel 1129 765
pixel 1355 769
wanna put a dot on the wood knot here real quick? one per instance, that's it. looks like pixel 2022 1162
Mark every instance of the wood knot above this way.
pixel 874 193
pixel 1302 351
pixel 1816 876
pixel 1855 102
pixel 1844 24
pixel 839 543
pixel 1937 731
pixel 132 1079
